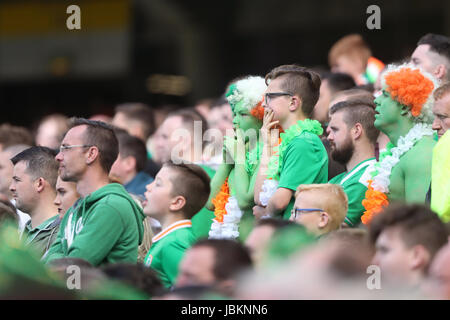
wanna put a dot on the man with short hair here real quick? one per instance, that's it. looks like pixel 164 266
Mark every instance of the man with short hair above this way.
pixel 105 225
pixel 332 83
pixel 320 208
pixel 129 166
pixel 301 158
pixel 404 114
pixel 440 180
pixel 14 135
pixel 51 130
pixel 33 189
pixel 406 238
pixel 6 174
pixel 136 119
pixel 177 140
pixel 433 55
pixel 139 121
pixel 441 109
pixel 177 194
pixel 215 263
pixel 180 139
pixel 352 55
pixel 352 136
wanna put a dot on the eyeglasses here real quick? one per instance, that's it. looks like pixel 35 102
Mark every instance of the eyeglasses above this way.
pixel 300 211
pixel 64 148
pixel 268 96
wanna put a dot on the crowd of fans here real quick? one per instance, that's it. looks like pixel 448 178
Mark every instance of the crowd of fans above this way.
pixel 296 184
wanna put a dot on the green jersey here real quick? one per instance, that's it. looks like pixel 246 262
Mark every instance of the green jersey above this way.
pixel 104 227
pixel 305 162
pixel 168 248
pixel 42 236
pixel 355 185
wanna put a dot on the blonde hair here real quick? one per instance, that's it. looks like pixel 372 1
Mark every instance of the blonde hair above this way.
pixel 334 201
pixel 442 91
pixel 146 241
pixel 148 233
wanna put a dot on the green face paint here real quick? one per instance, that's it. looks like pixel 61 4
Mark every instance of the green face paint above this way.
pixel 242 119
pixel 389 111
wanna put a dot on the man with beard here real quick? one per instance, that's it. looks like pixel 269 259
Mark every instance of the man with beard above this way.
pixel 352 135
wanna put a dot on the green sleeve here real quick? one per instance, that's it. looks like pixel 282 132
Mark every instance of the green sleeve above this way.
pixel 170 260
pixel 356 194
pixel 98 236
pixel 305 161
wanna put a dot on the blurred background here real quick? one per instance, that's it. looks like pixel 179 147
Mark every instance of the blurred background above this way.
pixel 179 52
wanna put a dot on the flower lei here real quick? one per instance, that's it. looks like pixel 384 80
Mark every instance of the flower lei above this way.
pixel 226 209
pixel 276 160
pixel 376 198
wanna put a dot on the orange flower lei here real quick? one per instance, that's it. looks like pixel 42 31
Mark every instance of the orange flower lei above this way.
pixel 409 87
pixel 374 203
pixel 220 201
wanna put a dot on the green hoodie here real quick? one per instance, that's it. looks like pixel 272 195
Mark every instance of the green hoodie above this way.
pixel 104 227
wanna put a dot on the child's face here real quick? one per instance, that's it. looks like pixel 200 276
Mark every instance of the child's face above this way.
pixel 159 194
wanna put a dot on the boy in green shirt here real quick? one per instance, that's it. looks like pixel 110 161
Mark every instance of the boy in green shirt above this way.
pixel 352 135
pixel 178 192
pixel 300 158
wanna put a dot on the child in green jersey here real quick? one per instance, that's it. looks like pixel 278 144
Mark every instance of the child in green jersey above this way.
pixel 178 192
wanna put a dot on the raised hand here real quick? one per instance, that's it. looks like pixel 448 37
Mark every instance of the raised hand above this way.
pixel 268 137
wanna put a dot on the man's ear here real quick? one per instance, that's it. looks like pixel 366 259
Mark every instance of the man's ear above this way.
pixel 296 103
pixel 92 154
pixel 357 131
pixel 420 257
pixel 40 184
pixel 440 71
pixel 177 203
pixel 323 220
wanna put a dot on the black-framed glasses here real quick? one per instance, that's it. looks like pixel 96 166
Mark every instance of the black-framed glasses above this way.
pixel 64 148
pixel 270 95
pixel 300 211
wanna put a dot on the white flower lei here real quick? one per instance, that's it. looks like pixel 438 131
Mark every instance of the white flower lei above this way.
pixel 229 228
pixel 382 180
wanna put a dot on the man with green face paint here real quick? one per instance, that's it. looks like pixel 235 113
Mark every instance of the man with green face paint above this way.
pixel 232 186
pixel 404 114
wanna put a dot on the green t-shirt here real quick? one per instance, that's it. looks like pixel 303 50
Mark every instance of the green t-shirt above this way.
pixel 355 184
pixel 202 220
pixel 167 250
pixel 41 237
pixel 305 161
